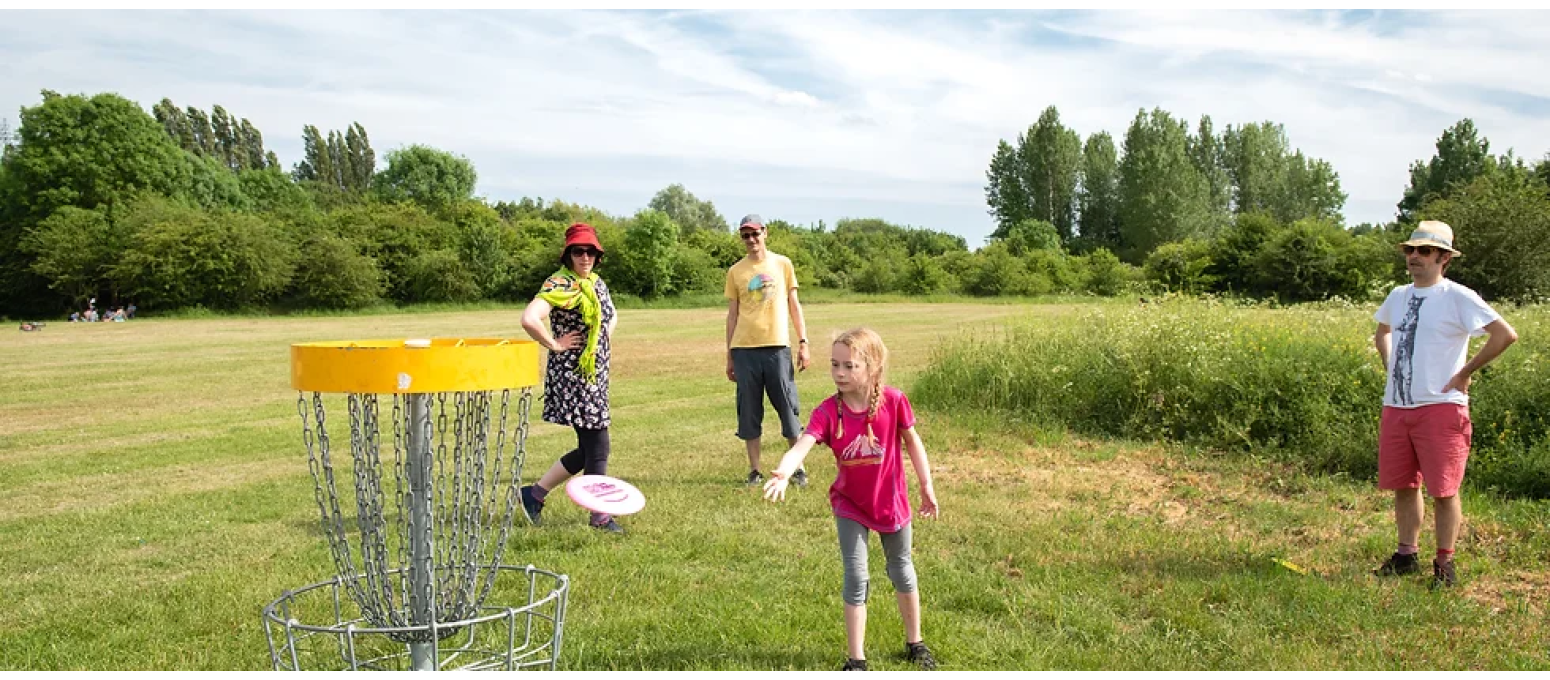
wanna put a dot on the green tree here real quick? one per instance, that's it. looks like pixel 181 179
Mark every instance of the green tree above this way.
pixel 178 255
pixel 76 151
pixel 1099 195
pixel 1209 155
pixel 363 160
pixel 1499 221
pixel 1004 191
pixel 689 213
pixel 332 273
pixel 1051 162
pixel 1181 266
pixel 73 249
pixel 651 245
pixel 430 177
pixel 1162 196
pixel 1462 155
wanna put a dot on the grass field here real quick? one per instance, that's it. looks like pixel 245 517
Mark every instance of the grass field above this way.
pixel 157 496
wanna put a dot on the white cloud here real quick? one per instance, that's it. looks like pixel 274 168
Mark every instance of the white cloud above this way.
pixel 805 114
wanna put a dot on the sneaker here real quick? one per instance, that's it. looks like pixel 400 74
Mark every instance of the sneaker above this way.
pixel 1399 565
pixel 532 506
pixel 919 653
pixel 854 665
pixel 610 526
pixel 755 478
pixel 799 478
pixel 1443 575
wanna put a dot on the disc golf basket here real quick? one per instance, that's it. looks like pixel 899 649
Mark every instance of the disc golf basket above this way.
pixel 417 533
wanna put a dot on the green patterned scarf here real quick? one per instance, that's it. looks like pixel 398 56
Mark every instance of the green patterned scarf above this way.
pixel 566 289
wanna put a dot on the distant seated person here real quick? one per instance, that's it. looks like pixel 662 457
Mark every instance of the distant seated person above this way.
pixel 91 315
pixel 118 315
pixel 29 326
pixel 131 311
pixel 75 317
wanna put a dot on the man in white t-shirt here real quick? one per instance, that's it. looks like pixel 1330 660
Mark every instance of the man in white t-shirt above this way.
pixel 1425 431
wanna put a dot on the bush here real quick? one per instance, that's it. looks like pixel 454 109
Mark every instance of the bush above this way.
pixel 332 274
pixel 1181 266
pixel 1303 385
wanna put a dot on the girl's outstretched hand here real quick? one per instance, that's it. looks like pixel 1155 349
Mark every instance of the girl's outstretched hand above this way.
pixel 775 488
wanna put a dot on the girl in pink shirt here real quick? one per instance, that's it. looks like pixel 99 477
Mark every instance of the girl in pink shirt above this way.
pixel 868 425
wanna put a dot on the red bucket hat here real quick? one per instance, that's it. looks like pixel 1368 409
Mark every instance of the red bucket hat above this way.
pixel 580 234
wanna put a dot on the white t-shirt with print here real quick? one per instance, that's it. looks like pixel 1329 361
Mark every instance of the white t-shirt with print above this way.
pixel 1430 344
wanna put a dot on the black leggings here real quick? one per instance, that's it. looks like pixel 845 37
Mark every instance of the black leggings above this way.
pixel 590 454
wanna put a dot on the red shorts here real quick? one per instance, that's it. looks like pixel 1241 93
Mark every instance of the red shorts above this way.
pixel 1430 442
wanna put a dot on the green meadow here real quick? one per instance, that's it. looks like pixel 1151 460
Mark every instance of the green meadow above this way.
pixel 157 496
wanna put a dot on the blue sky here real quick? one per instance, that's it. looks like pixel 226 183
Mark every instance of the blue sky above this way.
pixel 806 115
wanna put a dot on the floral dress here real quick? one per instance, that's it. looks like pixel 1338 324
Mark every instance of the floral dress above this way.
pixel 568 398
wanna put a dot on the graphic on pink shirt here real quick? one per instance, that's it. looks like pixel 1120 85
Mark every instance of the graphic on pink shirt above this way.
pixel 862 451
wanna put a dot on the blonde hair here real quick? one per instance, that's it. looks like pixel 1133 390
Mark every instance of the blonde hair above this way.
pixel 867 347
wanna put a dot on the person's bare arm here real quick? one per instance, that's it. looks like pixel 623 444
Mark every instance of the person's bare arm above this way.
pixel 1502 337
pixel 1380 339
pixel 804 356
pixel 731 327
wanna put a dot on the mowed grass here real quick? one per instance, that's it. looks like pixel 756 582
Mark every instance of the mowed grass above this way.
pixel 157 497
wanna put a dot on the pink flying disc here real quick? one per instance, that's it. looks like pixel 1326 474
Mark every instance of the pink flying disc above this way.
pixel 601 493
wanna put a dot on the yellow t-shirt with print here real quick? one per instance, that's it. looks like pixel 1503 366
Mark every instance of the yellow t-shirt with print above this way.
pixel 761 292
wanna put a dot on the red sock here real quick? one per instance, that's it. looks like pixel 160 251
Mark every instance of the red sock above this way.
pixel 1444 555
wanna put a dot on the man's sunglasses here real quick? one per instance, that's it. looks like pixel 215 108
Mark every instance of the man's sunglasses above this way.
pixel 586 250
pixel 1425 251
pixel 749 235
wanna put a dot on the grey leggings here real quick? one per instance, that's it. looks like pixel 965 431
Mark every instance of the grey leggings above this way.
pixel 853 552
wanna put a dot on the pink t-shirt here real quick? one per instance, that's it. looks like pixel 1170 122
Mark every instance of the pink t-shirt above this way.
pixel 870 486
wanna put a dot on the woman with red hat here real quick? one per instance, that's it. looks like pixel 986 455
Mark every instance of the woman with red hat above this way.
pixel 582 320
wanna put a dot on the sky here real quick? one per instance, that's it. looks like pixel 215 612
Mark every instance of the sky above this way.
pixel 806 115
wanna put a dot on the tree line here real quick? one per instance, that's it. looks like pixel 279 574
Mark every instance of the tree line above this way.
pixel 180 208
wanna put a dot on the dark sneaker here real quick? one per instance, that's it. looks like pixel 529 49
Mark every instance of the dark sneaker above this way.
pixel 854 665
pixel 1399 565
pixel 755 478
pixel 610 526
pixel 1443 575
pixel 799 478
pixel 919 653
pixel 532 506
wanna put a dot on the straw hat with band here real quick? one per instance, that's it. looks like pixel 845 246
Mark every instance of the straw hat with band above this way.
pixel 1435 234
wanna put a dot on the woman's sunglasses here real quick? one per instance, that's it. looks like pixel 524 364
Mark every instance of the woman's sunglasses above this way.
pixel 586 250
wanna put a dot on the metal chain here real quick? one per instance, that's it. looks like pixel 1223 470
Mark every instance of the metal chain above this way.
pixel 454 575
pixel 320 463
pixel 369 497
pixel 400 531
pixel 513 480
pixel 368 521
pixel 440 518
pixel 471 491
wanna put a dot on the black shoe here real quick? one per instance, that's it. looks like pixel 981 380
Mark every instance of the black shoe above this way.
pixel 799 478
pixel 532 506
pixel 1399 565
pixel 755 478
pixel 610 526
pixel 1443 575
pixel 854 665
pixel 919 653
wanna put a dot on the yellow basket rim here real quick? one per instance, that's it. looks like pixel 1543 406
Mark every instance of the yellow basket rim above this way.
pixel 415 365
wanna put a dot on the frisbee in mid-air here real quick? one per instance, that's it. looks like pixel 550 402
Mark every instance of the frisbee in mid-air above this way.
pixel 601 493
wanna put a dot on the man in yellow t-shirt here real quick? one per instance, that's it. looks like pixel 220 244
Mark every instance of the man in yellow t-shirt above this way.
pixel 761 297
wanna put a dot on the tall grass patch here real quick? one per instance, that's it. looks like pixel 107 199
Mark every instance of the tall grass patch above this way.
pixel 1303 384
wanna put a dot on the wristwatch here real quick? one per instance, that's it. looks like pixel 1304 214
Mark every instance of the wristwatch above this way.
pixel 802 341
